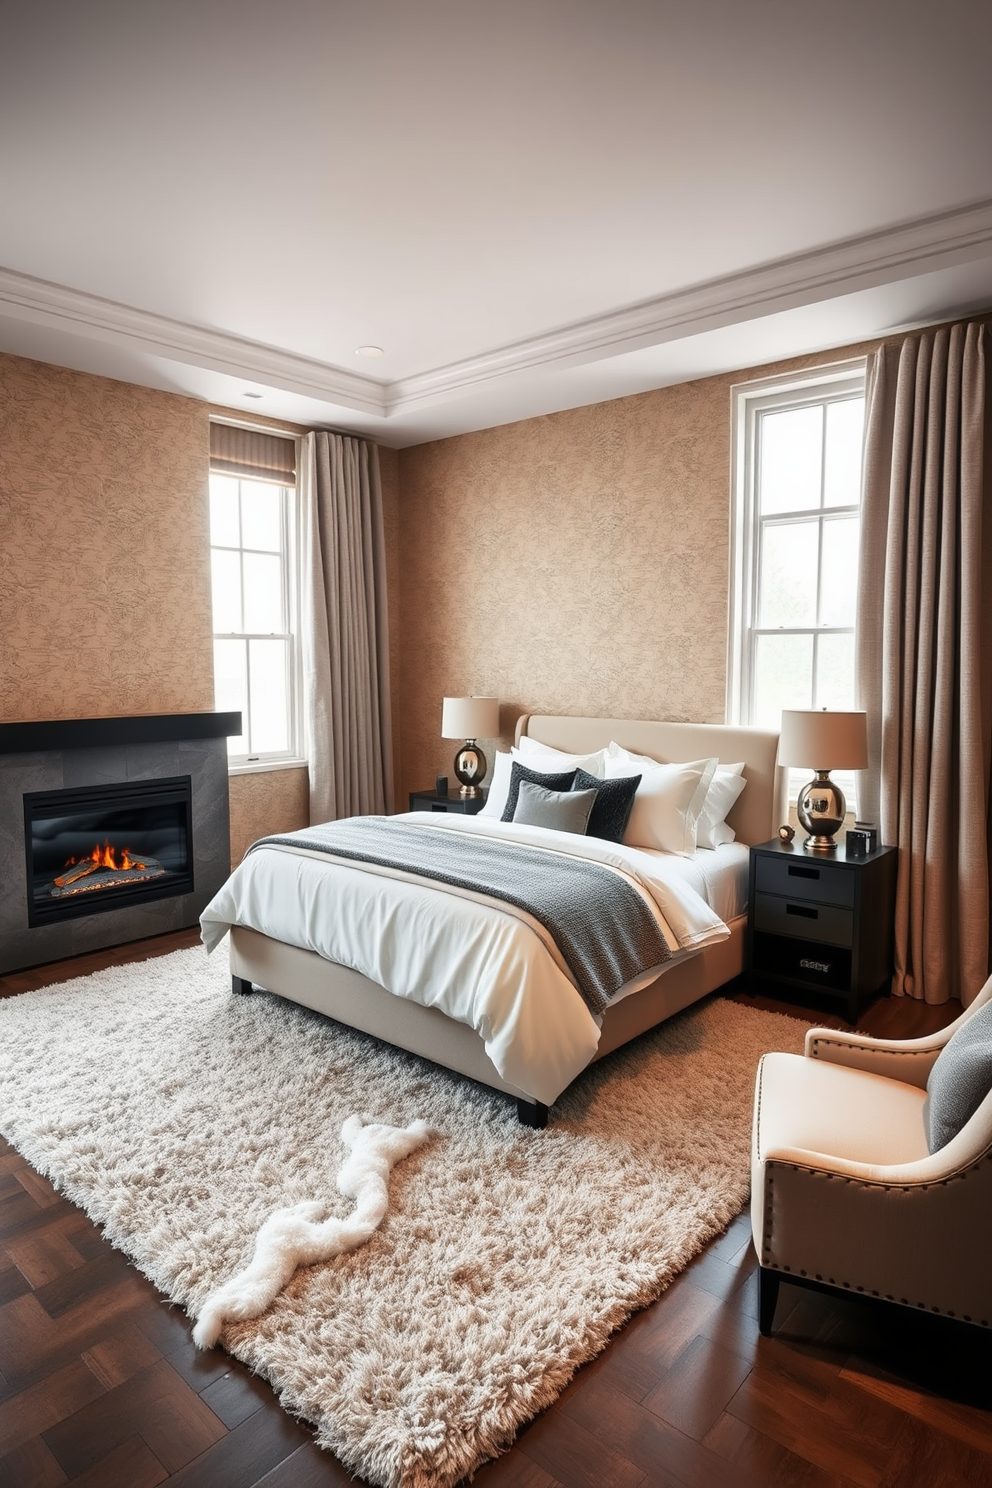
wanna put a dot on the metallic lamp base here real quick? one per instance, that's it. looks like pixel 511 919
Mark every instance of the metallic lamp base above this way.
pixel 821 809
pixel 470 768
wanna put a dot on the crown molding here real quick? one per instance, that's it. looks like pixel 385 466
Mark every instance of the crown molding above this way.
pixel 90 316
pixel 863 262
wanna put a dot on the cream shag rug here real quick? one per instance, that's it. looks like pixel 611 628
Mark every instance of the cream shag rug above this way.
pixel 179 1116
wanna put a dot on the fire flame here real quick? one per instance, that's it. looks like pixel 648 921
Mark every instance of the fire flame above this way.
pixel 107 857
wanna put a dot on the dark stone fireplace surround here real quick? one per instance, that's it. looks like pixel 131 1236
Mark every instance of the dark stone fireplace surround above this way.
pixel 94 751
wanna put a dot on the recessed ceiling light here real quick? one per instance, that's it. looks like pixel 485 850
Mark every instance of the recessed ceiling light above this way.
pixel 369 351
pixel 251 395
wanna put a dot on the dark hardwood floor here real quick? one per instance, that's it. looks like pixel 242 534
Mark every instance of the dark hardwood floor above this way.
pixel 101 1387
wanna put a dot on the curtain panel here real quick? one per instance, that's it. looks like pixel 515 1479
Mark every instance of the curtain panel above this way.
pixel 344 628
pixel 924 650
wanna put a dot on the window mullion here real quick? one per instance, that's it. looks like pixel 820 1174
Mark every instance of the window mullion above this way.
pixel 247 722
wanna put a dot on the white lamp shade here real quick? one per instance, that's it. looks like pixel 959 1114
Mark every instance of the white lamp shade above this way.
pixel 470 718
pixel 823 741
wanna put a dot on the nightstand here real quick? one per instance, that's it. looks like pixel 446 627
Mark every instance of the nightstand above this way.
pixel 429 800
pixel 821 921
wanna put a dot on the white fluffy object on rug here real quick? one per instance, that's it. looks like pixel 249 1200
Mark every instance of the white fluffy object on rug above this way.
pixel 295 1237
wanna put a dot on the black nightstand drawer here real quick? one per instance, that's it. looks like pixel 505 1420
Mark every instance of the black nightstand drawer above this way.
pixel 807 961
pixel 802 919
pixel 458 804
pixel 824 882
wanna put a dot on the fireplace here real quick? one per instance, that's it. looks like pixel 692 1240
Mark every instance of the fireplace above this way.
pixel 141 806
pixel 106 846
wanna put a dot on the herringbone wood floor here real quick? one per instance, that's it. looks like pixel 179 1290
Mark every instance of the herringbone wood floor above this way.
pixel 100 1386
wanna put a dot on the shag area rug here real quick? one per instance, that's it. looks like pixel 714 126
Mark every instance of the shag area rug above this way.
pixel 179 1116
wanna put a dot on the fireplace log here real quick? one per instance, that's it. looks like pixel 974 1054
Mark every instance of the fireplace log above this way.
pixel 108 878
pixel 78 870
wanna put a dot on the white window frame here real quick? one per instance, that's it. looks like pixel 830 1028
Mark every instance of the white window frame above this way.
pixel 748 400
pixel 293 757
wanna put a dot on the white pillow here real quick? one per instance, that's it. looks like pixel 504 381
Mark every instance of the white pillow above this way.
pixel 552 763
pixel 615 751
pixel 499 787
pixel 530 752
pixel 668 802
pixel 527 745
pixel 727 784
pixel 711 828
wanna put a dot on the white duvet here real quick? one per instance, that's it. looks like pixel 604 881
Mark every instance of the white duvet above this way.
pixel 487 964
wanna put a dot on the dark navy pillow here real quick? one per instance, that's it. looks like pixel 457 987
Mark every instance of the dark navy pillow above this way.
pixel 518 772
pixel 960 1079
pixel 614 803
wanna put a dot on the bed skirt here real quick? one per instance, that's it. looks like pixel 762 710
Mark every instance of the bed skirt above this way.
pixel 338 992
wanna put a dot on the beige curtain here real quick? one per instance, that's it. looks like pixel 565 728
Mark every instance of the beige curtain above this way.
pixel 924 651
pixel 345 629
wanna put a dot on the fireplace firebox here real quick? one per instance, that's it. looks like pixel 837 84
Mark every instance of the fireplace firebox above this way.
pixel 105 846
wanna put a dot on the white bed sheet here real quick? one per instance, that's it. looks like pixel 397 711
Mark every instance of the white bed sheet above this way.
pixel 491 966
pixel 719 875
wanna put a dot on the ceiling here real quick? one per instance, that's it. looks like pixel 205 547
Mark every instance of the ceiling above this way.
pixel 529 206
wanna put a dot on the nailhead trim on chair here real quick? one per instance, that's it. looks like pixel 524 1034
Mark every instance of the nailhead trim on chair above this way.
pixel 757 1099
pixel 862 1183
pixel 966 1317
pixel 857 1049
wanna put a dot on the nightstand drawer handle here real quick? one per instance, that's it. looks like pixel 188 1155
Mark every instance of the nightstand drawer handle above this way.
pixel 803 910
pixel 438 808
pixel 795 872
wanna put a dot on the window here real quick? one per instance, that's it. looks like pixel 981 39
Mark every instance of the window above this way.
pixel 798 455
pixel 256 661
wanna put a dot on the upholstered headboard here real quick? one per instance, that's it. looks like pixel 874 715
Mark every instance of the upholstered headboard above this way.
pixel 761 808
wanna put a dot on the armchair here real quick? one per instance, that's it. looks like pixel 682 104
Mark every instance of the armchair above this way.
pixel 845 1192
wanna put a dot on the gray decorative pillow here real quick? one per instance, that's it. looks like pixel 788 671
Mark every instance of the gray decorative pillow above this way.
pixel 960 1080
pixel 560 781
pixel 565 811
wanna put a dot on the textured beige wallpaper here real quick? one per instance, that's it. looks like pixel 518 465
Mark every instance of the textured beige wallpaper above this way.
pixel 105 576
pixel 269 802
pixel 569 564
pixel 105 564
pixel 577 563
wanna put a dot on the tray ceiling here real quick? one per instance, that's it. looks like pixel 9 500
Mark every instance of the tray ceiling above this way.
pixel 528 207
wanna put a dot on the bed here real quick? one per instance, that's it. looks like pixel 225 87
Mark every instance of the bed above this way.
pixel 297 972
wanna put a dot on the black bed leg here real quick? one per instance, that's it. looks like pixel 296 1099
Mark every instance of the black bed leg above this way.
pixel 241 985
pixel 768 1285
pixel 532 1113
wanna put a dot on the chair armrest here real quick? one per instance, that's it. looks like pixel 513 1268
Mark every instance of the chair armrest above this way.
pixel 968 1152
pixel 908 1060
pixel 926 1170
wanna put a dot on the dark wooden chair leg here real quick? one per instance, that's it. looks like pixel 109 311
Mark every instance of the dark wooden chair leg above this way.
pixel 241 985
pixel 532 1113
pixel 768 1285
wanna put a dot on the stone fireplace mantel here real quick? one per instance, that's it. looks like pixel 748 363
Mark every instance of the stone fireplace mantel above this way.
pixel 97 733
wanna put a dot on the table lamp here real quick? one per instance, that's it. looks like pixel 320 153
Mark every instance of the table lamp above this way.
pixel 470 718
pixel 823 741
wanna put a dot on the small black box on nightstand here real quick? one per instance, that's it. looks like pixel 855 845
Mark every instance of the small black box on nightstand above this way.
pixel 861 840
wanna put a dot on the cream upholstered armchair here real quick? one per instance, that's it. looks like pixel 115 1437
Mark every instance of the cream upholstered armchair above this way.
pixel 845 1192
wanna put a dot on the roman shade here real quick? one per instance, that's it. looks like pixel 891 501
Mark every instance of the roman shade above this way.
pixel 252 455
